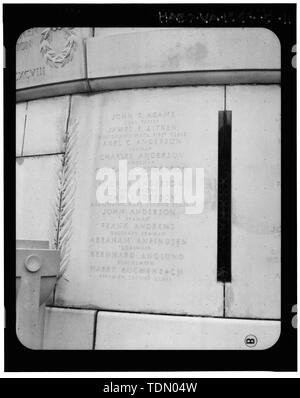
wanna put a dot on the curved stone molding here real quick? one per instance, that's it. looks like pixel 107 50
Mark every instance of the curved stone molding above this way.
pixel 183 56
pixel 54 61
pixel 51 61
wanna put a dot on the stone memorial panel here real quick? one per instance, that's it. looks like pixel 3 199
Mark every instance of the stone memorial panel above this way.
pixel 51 61
pixel 143 257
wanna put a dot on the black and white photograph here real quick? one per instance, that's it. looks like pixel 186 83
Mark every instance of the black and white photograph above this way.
pixel 153 206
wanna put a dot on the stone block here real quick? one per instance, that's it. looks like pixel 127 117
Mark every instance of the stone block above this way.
pixel 36 197
pixel 51 61
pixel 117 331
pixel 46 126
pixel 68 329
pixel 20 126
pixel 254 291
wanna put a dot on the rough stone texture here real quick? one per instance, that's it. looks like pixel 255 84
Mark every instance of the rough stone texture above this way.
pixel 36 196
pixel 51 55
pixel 140 331
pixel 20 126
pixel 68 329
pixel 181 50
pixel 46 125
pixel 256 198
pixel 180 274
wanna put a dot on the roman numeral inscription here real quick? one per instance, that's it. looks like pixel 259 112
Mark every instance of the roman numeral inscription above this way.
pixel 30 73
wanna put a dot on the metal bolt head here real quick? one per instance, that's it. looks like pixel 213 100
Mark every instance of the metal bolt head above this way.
pixel 33 263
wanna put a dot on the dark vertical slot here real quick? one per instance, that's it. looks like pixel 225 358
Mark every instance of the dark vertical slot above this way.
pixel 224 198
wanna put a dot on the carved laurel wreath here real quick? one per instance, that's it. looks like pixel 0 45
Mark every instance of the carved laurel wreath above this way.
pixel 61 58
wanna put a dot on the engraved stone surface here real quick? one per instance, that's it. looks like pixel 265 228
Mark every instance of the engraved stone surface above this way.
pixel 152 258
pixel 256 200
pixel 68 329
pixel 119 331
pixel 47 56
pixel 36 196
pixel 20 126
pixel 191 51
pixel 46 125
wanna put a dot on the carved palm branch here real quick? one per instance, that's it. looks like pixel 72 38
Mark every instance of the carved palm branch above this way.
pixel 64 205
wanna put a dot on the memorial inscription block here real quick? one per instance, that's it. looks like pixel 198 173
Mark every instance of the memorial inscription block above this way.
pixel 50 61
pixel 144 257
